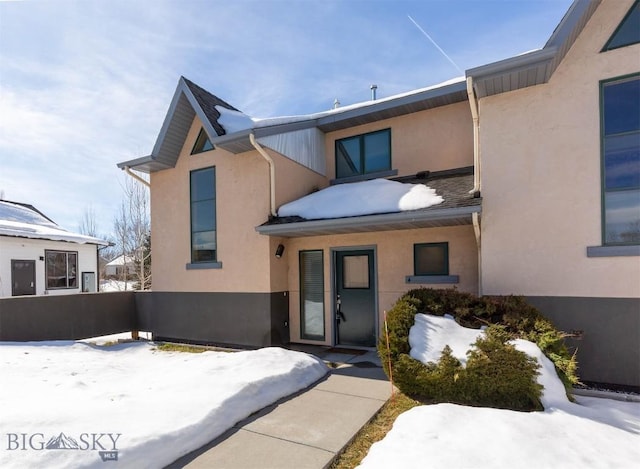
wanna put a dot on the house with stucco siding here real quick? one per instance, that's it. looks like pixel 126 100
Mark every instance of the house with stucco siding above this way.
pixel 535 161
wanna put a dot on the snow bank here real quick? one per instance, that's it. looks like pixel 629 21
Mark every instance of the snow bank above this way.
pixel 361 198
pixel 594 433
pixel 161 404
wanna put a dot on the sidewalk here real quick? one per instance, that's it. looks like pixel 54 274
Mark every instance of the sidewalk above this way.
pixel 306 430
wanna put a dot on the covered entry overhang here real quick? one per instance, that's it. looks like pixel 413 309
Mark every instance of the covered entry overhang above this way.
pixel 431 218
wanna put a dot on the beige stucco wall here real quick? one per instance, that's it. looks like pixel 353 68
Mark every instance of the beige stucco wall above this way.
pixel 540 151
pixel 242 203
pixel 394 259
pixel 433 140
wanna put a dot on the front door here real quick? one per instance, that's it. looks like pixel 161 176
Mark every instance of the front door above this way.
pixel 23 278
pixel 355 298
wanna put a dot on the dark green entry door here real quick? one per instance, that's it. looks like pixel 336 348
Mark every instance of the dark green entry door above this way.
pixel 355 298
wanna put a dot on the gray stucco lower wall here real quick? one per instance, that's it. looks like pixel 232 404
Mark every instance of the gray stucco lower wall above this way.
pixel 609 350
pixel 66 317
pixel 246 319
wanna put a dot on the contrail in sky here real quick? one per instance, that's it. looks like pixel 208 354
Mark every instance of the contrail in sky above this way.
pixel 434 43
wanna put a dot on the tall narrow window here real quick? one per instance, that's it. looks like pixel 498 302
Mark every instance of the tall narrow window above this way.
pixel 363 154
pixel 203 215
pixel 628 32
pixel 312 295
pixel 621 160
pixel 202 143
pixel 61 268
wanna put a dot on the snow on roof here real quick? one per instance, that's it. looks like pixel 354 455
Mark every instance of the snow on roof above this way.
pixel 122 260
pixel 361 198
pixel 236 121
pixel 23 222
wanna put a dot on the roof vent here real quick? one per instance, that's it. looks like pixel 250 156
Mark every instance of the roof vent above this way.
pixel 336 104
pixel 373 92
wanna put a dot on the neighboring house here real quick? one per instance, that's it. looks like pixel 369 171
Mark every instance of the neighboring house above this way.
pixel 516 151
pixel 38 257
pixel 119 266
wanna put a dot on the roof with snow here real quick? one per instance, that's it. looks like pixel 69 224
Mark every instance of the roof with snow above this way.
pixel 456 208
pixel 121 260
pixel 190 100
pixel 25 221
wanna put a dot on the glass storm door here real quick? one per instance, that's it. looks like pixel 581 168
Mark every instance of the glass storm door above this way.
pixel 355 298
pixel 23 278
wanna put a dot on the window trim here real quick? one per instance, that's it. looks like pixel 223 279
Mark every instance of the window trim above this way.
pixel 606 47
pixel 201 141
pixel 208 264
pixel 302 310
pixel 46 265
pixel 603 190
pixel 364 174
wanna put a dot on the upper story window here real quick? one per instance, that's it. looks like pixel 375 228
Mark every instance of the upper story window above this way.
pixel 202 143
pixel 620 128
pixel 62 269
pixel 363 154
pixel 203 215
pixel 628 32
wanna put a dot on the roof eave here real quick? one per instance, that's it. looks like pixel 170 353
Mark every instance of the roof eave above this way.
pixel 146 164
pixel 382 222
pixel 534 68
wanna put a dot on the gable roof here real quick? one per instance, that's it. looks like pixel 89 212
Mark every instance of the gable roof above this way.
pixel 20 220
pixel 534 68
pixel 190 100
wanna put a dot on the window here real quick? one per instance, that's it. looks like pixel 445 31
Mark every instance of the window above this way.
pixel 312 295
pixel 628 32
pixel 363 154
pixel 203 215
pixel 620 130
pixel 355 270
pixel 202 143
pixel 431 259
pixel 62 268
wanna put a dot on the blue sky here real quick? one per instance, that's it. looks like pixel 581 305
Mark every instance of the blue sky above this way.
pixel 86 84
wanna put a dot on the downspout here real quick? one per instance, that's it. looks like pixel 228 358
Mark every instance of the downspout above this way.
pixel 127 170
pixel 475 217
pixel 272 173
pixel 473 103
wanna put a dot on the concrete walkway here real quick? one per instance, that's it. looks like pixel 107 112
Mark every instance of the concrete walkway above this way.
pixel 306 430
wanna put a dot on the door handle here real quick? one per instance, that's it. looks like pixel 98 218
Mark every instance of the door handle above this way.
pixel 339 314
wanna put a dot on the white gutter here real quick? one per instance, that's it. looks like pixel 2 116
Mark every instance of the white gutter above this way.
pixel 272 173
pixel 473 103
pixel 127 170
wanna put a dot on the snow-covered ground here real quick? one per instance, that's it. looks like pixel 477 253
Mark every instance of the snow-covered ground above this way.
pixel 591 433
pixel 74 404
pixel 111 285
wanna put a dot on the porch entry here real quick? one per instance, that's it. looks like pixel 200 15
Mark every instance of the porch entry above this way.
pixel 355 298
pixel 23 277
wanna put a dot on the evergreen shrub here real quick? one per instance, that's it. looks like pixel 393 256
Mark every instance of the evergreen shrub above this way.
pixel 496 374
